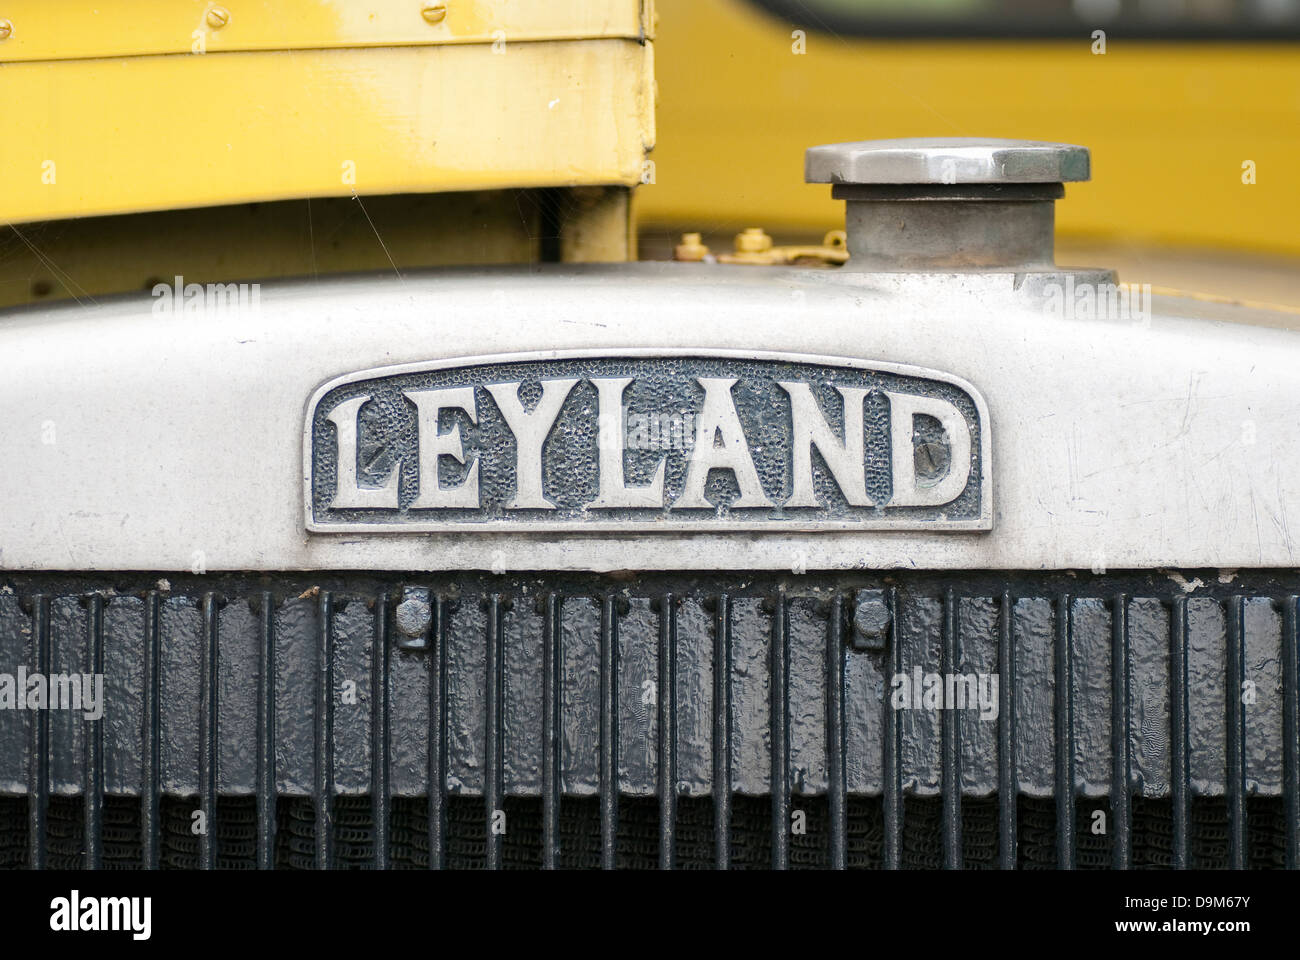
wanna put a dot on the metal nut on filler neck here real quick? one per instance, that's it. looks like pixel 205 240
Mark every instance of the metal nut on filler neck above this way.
pixel 949 205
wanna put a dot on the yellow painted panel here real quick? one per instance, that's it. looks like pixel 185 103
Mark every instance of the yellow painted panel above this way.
pixel 1170 125
pixel 596 225
pixel 149 133
pixel 89 258
pixel 76 29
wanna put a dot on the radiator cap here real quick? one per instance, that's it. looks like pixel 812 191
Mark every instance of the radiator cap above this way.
pixel 959 203
pixel 953 160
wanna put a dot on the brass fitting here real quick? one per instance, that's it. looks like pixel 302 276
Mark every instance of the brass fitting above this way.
pixel 691 249
pixel 754 248
pixel 754 240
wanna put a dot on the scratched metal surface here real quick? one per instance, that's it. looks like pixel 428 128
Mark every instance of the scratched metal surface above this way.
pixel 1099 456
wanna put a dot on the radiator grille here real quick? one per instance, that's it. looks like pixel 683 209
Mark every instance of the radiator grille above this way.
pixel 635 724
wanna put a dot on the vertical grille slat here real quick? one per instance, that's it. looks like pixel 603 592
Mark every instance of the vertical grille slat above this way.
pixel 437 800
pixel 208 733
pixel 493 745
pixel 609 785
pixel 1235 775
pixel 380 733
pixel 893 748
pixel 1064 697
pixel 150 761
pixel 1121 773
pixel 1179 762
pixel 265 787
pixel 836 786
pixel 93 768
pixel 1008 775
pixel 949 658
pixel 667 730
pixel 38 788
pixel 780 732
pixel 552 660
pixel 323 773
pixel 1291 726
pixel 15 732
pixel 722 734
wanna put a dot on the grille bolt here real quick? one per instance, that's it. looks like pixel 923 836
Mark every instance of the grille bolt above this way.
pixel 218 17
pixel 413 616
pixel 6 28
pixel 434 12
pixel 871 620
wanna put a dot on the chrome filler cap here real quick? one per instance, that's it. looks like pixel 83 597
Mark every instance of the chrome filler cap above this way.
pixel 942 205
pixel 951 160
